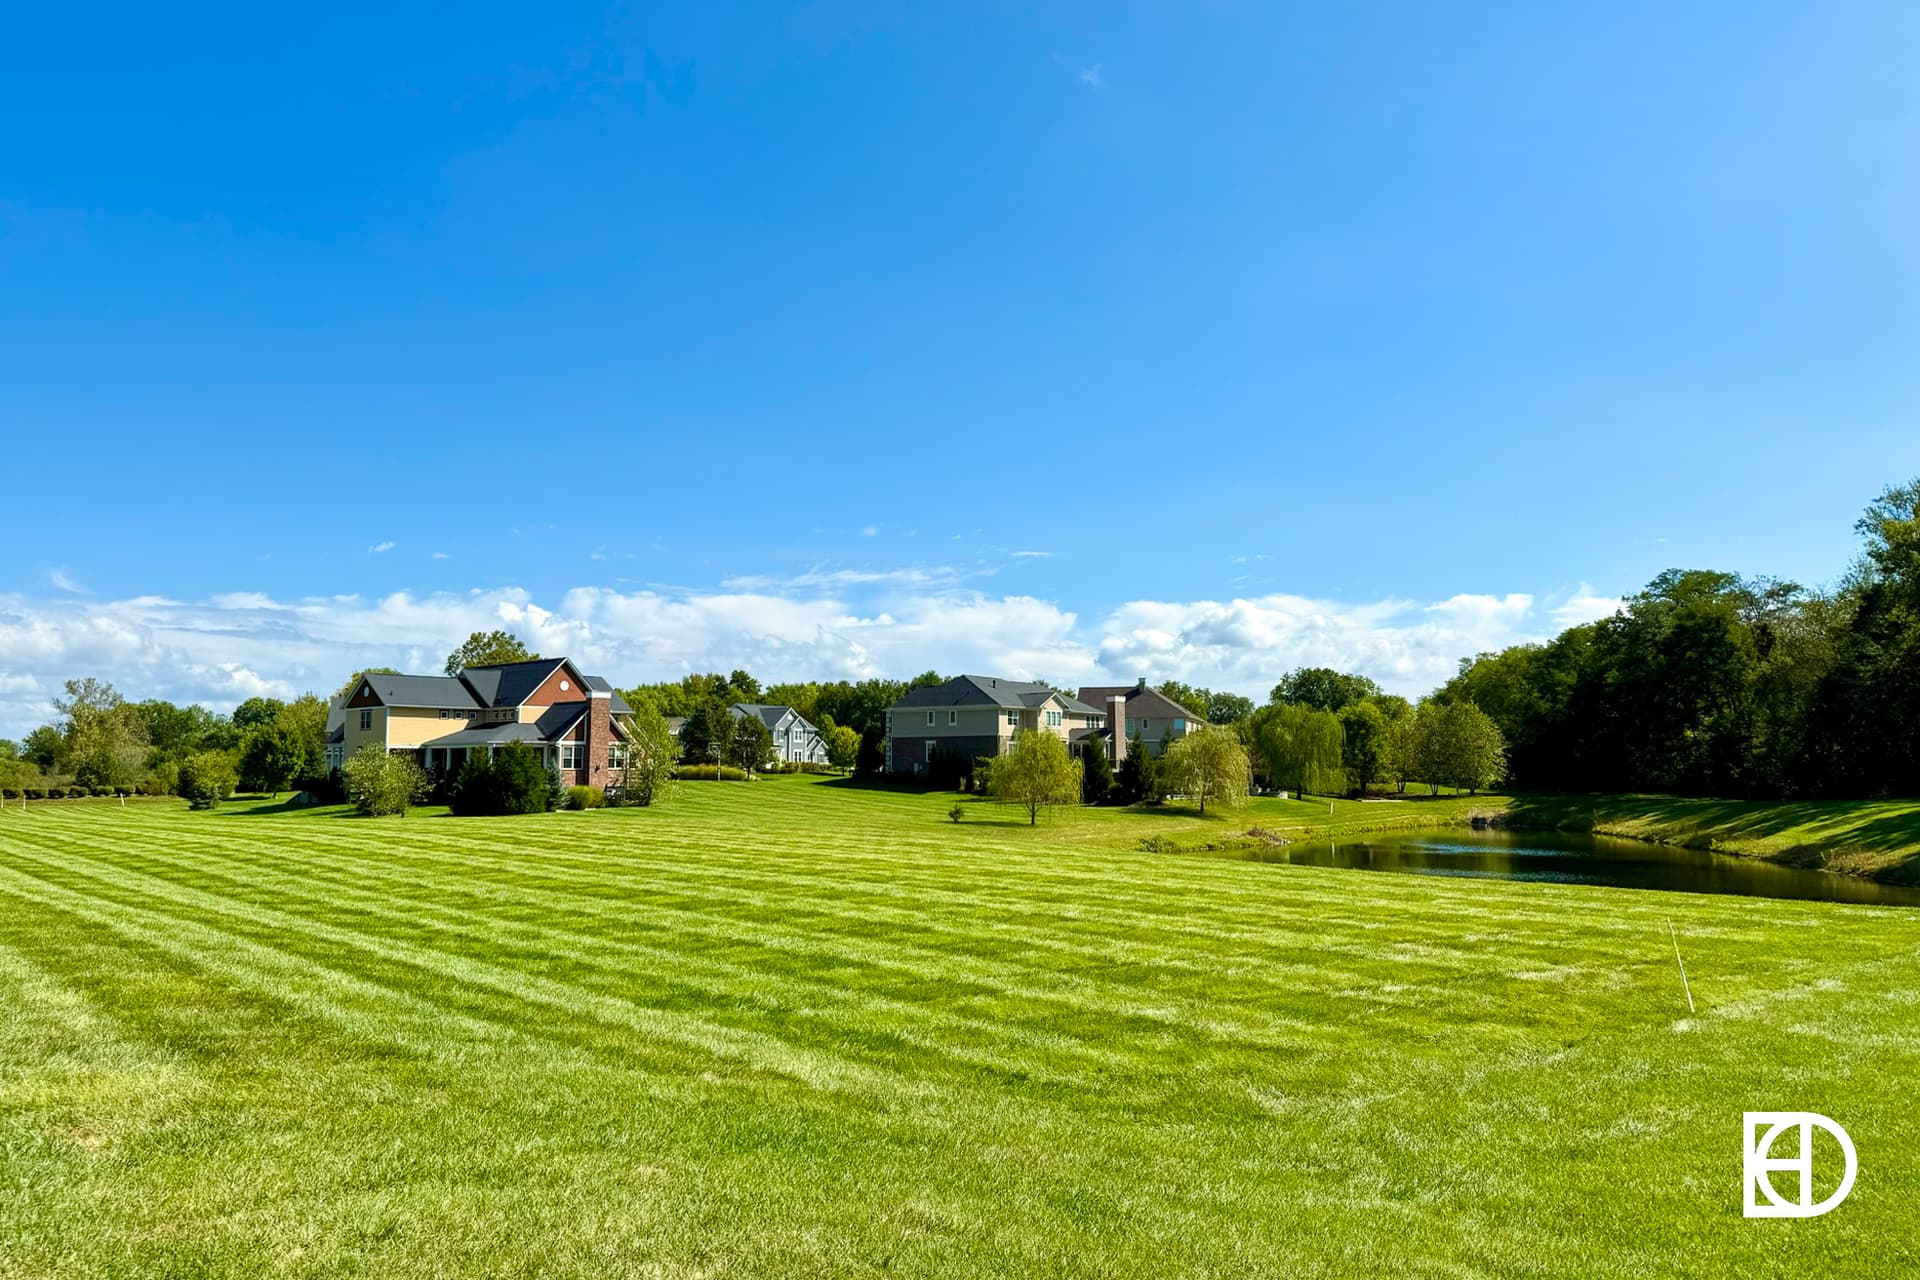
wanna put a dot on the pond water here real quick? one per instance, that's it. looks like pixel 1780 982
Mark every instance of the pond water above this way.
pixel 1562 858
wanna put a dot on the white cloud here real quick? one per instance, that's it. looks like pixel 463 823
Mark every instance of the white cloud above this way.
pixel 1033 555
pixel 1093 77
pixel 441 555
pixel 1584 605
pixel 381 548
pixel 826 624
pixel 63 580
pixel 870 531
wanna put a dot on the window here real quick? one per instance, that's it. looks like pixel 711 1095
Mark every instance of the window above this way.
pixel 1054 718
pixel 953 718
pixel 366 721
pixel 564 686
pixel 929 719
pixel 572 755
pixel 1013 717
pixel 443 715
pixel 616 755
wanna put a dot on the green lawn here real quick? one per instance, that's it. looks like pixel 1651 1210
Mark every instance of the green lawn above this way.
pixel 1875 838
pixel 798 1029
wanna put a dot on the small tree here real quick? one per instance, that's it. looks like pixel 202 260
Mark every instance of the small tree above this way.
pixel 1209 765
pixel 710 724
pixel 749 744
pixel 843 746
pixel 651 751
pixel 1405 743
pixel 1139 775
pixel 381 783
pixel 1036 773
pixel 485 648
pixel 1096 774
pixel 207 778
pixel 1365 751
pixel 1468 750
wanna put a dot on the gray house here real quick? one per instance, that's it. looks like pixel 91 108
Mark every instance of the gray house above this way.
pixel 972 716
pixel 795 740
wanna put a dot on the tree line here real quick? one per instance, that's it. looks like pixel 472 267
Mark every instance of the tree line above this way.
pixel 1712 684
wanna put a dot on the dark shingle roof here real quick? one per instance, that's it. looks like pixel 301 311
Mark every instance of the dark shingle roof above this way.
pixel 481 735
pixel 508 684
pixel 599 685
pixel 422 691
pixel 986 691
pixel 770 713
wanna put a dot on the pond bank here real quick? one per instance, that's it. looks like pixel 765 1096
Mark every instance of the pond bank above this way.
pixel 1873 839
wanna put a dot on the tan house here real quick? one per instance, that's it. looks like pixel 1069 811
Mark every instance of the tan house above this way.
pixel 973 716
pixel 1138 711
pixel 577 722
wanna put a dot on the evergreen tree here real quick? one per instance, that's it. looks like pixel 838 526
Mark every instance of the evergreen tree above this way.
pixel 1096 772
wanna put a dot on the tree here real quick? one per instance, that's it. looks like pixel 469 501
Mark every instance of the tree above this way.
pixel 1463 747
pixel 1209 764
pixel 843 746
pixel 272 756
pixel 382 783
pixel 1323 689
pixel 652 750
pixel 255 712
pixel 46 747
pixel 1096 772
pixel 514 780
pixel 1405 743
pixel 487 648
pixel 206 778
pixel 1139 774
pixel 749 743
pixel 1036 773
pixel 1300 747
pixel 1364 750
pixel 710 726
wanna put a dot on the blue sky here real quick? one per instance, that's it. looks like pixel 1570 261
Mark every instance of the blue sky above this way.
pixel 693 335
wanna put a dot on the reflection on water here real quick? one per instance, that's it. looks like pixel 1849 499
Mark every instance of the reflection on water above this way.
pixel 1579 859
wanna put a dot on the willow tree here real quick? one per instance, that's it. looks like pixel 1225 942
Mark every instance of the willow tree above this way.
pixel 1209 764
pixel 1036 773
pixel 1300 747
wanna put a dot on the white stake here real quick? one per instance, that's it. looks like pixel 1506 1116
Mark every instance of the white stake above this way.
pixel 1683 965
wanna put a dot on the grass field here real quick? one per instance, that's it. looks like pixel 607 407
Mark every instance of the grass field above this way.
pixel 797 1029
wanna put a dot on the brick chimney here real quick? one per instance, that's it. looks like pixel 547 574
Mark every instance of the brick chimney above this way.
pixel 1117 723
pixel 599 732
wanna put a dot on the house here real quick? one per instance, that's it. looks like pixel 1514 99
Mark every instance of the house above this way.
pixel 971 716
pixel 577 722
pixel 1139 711
pixel 795 740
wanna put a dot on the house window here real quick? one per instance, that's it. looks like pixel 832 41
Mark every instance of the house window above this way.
pixel 929 719
pixel 616 755
pixel 1013 717
pixel 572 755
pixel 953 718
pixel 366 721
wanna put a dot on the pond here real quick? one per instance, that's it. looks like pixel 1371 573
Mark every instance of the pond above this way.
pixel 1563 858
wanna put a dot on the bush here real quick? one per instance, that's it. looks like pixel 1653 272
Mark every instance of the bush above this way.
pixel 207 778
pixel 9 793
pixel 586 798
pixel 514 781
pixel 707 772
pixel 799 766
pixel 36 793
pixel 74 793
pixel 323 788
pixel 383 784
pixel 100 791
pixel 957 812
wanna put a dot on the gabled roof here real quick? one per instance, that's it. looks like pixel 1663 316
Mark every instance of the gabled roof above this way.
pixel 421 691
pixel 508 684
pixel 480 735
pixel 1142 702
pixel 770 713
pixel 598 685
pixel 989 691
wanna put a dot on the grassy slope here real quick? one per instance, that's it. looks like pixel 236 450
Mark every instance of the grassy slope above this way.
pixel 1875 838
pixel 793 1029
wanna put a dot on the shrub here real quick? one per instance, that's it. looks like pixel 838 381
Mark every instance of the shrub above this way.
pixel 586 798
pixel 207 778
pixel 100 791
pixel 36 793
pixel 957 812
pixel 514 781
pixel 323 788
pixel 707 772
pixel 556 790
pixel 383 784
pixel 165 780
pixel 9 793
